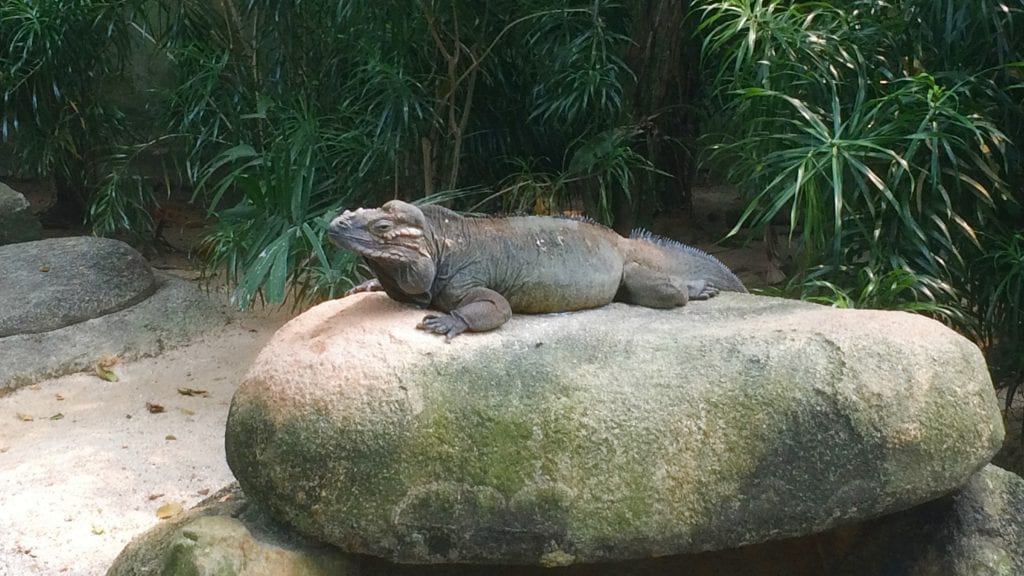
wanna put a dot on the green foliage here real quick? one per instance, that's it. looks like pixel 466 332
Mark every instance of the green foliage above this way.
pixel 287 112
pixel 582 83
pixel 888 133
pixel 273 237
pixel 58 62
pixel 283 112
pixel 864 287
pixel 997 292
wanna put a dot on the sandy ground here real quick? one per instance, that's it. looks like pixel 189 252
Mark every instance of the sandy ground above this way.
pixel 85 465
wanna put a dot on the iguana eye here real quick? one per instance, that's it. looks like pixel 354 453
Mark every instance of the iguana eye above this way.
pixel 382 226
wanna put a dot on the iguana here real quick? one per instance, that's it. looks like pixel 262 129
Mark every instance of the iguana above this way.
pixel 478 271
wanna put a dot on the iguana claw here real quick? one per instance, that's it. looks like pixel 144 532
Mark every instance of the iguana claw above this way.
pixel 446 324
pixel 371 285
pixel 701 290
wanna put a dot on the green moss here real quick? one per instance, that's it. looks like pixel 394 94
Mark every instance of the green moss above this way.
pixel 182 561
pixel 476 431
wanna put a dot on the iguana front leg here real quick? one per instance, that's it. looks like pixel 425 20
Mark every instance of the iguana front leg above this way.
pixel 482 309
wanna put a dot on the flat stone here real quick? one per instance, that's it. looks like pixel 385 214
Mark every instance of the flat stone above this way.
pixel 176 312
pixel 610 434
pixel 976 531
pixel 49 284
pixel 17 222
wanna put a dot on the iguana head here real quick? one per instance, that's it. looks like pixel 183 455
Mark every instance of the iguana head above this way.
pixel 393 232
pixel 395 240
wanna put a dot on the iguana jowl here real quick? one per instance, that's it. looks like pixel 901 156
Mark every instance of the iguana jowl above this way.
pixel 478 271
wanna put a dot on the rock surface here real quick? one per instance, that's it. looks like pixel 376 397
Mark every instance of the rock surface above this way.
pixel 616 433
pixel 224 535
pixel 978 531
pixel 17 222
pixel 49 284
pixel 177 311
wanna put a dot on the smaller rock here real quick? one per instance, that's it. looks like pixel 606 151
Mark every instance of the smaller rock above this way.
pixel 17 222
pixel 216 541
pixel 977 531
pixel 49 284
pixel 177 312
pixel 225 535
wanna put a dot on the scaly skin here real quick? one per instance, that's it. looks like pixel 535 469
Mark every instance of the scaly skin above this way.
pixel 478 271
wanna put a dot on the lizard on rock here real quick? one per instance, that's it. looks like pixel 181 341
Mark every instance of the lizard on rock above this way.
pixel 478 271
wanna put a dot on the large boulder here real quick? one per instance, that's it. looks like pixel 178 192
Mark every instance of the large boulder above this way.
pixel 977 531
pixel 17 222
pixel 615 433
pixel 49 284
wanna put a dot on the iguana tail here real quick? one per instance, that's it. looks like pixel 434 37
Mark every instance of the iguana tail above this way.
pixel 698 262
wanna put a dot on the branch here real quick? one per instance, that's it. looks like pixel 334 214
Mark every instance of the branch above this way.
pixel 505 30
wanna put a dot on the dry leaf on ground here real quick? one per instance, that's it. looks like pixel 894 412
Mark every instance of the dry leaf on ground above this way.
pixel 193 392
pixel 154 408
pixel 168 510
pixel 103 368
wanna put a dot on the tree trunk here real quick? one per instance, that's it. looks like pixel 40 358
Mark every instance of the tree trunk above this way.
pixel 71 200
pixel 664 56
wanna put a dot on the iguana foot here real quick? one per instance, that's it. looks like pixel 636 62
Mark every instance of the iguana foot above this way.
pixel 371 285
pixel 700 290
pixel 447 324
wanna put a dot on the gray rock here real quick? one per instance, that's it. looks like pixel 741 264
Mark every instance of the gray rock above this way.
pixel 49 284
pixel 224 535
pixel 17 222
pixel 978 531
pixel 174 314
pixel 615 433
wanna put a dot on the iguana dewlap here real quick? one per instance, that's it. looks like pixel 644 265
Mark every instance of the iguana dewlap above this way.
pixel 481 270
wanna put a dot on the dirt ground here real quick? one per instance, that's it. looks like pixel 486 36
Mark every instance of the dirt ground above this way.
pixel 87 464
